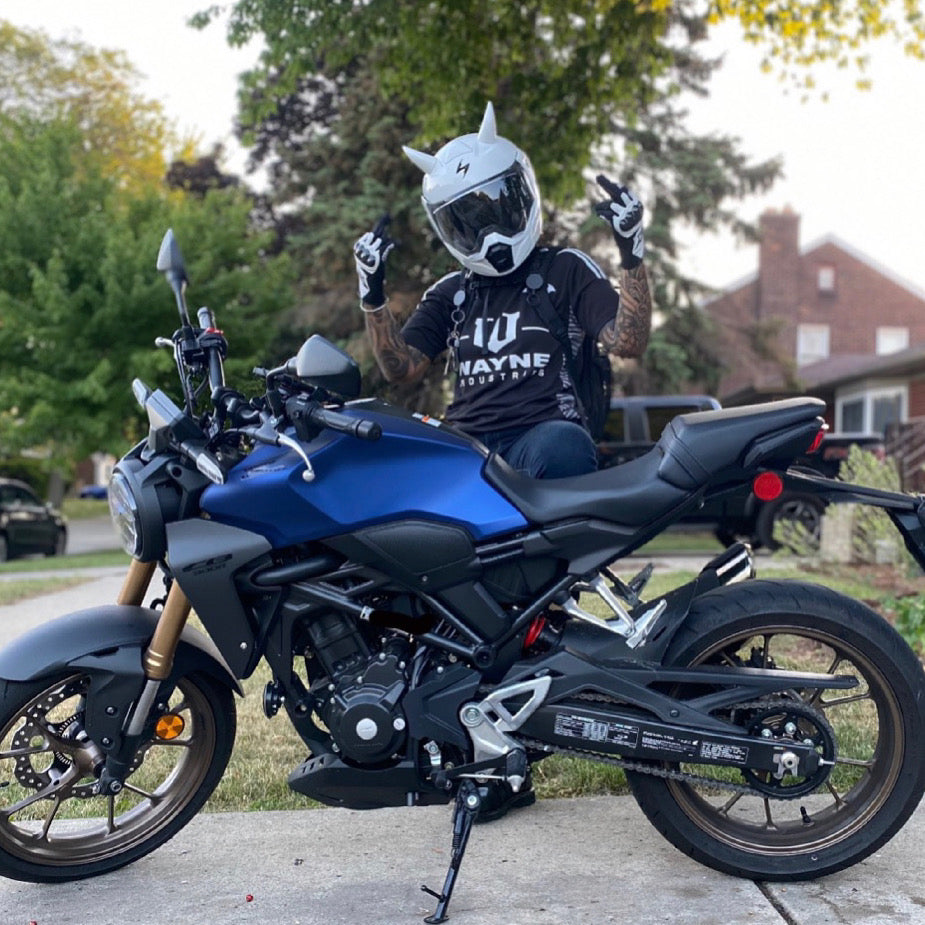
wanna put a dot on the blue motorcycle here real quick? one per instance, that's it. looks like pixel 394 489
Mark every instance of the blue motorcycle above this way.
pixel 436 623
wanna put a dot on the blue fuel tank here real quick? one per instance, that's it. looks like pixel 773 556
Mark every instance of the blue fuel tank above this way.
pixel 419 468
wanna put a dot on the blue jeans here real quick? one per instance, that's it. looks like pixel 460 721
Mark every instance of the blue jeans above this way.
pixel 548 450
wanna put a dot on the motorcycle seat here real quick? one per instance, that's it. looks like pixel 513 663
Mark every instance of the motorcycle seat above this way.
pixel 693 450
pixel 698 447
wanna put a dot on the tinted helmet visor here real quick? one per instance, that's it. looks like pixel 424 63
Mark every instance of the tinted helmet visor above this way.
pixel 500 205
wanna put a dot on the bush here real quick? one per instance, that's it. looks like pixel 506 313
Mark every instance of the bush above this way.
pixel 31 471
pixel 909 619
pixel 870 524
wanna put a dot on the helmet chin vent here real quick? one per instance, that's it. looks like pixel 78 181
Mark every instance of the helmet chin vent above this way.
pixel 501 257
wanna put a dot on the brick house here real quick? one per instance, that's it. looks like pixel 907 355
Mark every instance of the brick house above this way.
pixel 824 320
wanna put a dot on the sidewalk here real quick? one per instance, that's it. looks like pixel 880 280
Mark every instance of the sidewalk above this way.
pixel 590 860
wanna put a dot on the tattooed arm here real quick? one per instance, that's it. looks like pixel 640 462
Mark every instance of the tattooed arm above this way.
pixel 628 334
pixel 399 361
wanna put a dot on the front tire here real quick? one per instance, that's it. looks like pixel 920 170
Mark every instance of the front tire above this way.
pixel 52 831
pixel 879 772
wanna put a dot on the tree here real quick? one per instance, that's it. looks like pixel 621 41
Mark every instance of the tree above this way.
pixel 81 302
pixel 49 79
pixel 563 72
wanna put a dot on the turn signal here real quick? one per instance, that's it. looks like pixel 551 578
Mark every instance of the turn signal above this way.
pixel 767 486
pixel 169 726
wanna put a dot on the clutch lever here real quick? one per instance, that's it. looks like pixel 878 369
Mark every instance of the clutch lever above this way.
pixel 268 434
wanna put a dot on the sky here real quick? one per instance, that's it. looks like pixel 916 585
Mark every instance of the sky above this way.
pixel 853 165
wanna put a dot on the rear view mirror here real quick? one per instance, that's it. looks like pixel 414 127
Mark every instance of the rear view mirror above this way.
pixel 327 367
pixel 170 263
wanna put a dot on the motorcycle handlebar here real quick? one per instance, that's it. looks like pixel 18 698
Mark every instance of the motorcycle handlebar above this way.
pixel 355 427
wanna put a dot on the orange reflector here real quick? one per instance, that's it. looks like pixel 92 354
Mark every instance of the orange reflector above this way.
pixel 169 727
pixel 767 486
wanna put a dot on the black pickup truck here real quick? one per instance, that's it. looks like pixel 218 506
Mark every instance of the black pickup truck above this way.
pixel 636 422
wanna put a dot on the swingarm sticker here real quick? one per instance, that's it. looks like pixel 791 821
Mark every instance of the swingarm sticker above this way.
pixel 647 741
pixel 594 730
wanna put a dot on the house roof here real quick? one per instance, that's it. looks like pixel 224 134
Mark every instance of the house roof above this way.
pixel 829 374
pixel 815 245
pixel 839 370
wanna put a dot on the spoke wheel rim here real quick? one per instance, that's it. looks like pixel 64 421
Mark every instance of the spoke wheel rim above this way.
pixel 837 810
pixel 71 826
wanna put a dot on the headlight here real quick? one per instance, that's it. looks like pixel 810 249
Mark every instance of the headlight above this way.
pixel 124 511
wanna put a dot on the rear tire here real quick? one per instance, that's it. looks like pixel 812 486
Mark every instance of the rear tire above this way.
pixel 879 774
pixel 72 833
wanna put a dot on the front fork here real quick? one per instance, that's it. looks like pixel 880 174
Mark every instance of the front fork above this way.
pixel 157 662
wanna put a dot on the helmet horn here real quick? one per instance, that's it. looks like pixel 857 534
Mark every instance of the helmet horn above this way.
pixel 425 162
pixel 488 132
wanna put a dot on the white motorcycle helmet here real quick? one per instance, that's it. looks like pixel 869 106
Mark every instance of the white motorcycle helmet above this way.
pixel 481 196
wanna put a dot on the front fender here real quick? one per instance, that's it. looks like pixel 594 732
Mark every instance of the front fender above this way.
pixel 91 637
pixel 107 643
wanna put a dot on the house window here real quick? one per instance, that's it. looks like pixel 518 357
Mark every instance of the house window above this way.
pixel 825 279
pixel 892 340
pixel 851 416
pixel 812 343
pixel 871 410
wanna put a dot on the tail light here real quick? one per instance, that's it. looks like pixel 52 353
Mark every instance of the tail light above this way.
pixel 817 440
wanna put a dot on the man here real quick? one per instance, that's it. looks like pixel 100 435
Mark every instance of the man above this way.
pixel 497 318
pixel 514 388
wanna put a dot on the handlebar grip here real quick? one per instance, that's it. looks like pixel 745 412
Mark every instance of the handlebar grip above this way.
pixel 355 427
pixel 213 352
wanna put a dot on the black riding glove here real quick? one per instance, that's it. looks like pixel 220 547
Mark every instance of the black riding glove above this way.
pixel 370 252
pixel 623 212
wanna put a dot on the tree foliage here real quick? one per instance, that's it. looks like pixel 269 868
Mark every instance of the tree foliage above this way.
pixel 83 207
pixel 81 302
pixel 796 34
pixel 96 89
pixel 563 72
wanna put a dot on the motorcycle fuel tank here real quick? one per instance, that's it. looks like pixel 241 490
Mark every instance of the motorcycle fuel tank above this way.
pixel 418 468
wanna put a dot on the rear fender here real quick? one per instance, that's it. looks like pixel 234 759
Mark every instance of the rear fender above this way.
pixel 107 643
pixel 733 565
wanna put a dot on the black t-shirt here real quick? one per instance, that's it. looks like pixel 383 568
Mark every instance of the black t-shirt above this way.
pixel 512 370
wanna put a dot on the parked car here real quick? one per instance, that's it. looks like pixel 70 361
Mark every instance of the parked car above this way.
pixel 28 525
pixel 94 492
pixel 635 424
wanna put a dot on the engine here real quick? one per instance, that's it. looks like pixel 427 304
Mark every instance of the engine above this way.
pixel 358 691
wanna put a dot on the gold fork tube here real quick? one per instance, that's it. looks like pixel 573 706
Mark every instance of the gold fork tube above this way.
pixel 136 583
pixel 158 658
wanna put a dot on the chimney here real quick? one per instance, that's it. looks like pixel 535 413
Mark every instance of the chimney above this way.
pixel 778 263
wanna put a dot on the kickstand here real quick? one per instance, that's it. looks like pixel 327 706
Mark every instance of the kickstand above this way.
pixel 468 802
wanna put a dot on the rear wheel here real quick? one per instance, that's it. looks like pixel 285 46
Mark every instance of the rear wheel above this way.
pixel 53 826
pixel 773 833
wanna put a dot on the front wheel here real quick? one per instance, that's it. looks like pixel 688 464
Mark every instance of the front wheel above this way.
pixel 53 827
pixel 879 730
